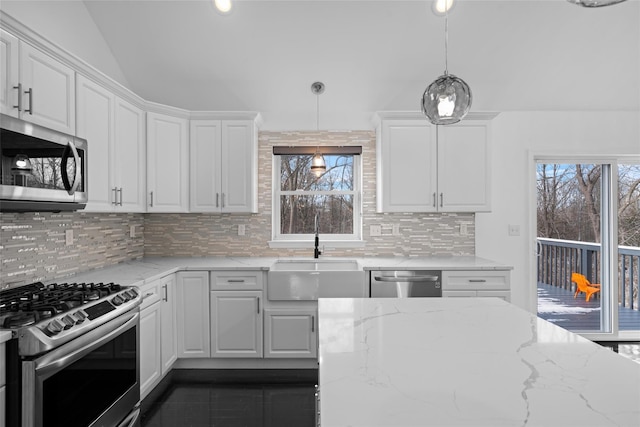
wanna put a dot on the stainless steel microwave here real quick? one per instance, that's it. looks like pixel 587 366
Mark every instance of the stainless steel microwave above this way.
pixel 40 169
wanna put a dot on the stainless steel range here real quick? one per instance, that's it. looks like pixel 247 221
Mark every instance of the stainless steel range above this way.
pixel 74 357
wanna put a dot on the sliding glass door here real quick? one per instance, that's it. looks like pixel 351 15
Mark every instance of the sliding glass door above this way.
pixel 588 240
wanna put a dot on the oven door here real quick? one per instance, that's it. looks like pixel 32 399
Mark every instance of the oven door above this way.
pixel 90 381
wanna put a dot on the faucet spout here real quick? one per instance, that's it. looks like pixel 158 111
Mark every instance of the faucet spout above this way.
pixel 316 251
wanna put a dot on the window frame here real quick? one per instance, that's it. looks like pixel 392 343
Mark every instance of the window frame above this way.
pixel 306 240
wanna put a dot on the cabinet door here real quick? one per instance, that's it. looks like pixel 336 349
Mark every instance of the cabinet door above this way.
pixel 192 310
pixel 463 167
pixel 9 74
pixel 236 324
pixel 129 158
pixel 239 166
pixel 204 183
pixel 150 362
pixel 290 333
pixel 169 343
pixel 95 120
pixel 167 163
pixel 406 166
pixel 51 102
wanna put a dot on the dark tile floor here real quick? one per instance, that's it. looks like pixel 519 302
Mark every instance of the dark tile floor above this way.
pixel 233 399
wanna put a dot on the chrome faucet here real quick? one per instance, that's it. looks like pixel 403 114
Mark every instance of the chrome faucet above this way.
pixel 316 251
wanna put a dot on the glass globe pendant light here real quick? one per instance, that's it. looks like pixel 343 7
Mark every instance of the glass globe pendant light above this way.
pixel 595 3
pixel 448 99
pixel 318 165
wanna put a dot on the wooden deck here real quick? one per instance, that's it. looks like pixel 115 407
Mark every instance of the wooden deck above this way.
pixel 558 306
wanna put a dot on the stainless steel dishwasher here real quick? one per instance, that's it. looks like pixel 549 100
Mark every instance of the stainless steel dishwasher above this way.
pixel 405 284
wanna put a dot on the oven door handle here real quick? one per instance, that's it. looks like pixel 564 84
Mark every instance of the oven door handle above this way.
pixel 85 344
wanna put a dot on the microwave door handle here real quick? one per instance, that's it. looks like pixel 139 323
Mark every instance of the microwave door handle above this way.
pixel 70 148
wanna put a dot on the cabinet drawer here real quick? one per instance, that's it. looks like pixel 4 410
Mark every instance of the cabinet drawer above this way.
pixel 151 293
pixel 236 280
pixel 475 280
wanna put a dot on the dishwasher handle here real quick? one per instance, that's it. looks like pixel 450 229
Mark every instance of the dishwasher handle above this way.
pixel 408 279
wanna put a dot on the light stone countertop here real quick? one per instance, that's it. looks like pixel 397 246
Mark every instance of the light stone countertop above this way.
pixel 464 362
pixel 4 336
pixel 136 273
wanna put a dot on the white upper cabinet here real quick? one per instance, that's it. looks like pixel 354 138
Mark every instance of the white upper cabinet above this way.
pixel 9 77
pixel 36 87
pixel 407 172
pixel 463 167
pixel 114 130
pixel 167 163
pixel 95 123
pixel 223 166
pixel 427 168
pixel 129 155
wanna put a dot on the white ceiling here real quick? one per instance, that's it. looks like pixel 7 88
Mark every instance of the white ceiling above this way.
pixel 372 55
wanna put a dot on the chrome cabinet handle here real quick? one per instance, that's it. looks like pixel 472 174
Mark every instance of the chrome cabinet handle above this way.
pixel 313 323
pixel 409 279
pixel 217 200
pixel 166 293
pixel 115 196
pixel 235 280
pixel 19 88
pixel 30 109
pixel 258 304
pixel 477 280
pixel 434 199
pixel 441 199
pixel 151 199
pixel 120 191
pixel 223 200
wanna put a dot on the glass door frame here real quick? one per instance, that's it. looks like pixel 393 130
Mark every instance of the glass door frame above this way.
pixel 609 238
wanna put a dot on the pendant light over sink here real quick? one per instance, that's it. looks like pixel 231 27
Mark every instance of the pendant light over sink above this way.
pixel 318 165
pixel 448 99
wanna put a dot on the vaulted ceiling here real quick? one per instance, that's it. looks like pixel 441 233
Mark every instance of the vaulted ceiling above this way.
pixel 372 55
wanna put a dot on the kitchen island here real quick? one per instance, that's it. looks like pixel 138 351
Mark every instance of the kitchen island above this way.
pixel 464 362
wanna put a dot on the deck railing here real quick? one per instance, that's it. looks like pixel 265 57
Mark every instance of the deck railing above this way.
pixel 557 259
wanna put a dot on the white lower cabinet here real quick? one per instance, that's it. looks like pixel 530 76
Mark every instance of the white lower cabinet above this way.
pixel 158 348
pixel 3 389
pixel 477 283
pixel 192 299
pixel 169 343
pixel 3 404
pixel 290 333
pixel 236 324
pixel 150 362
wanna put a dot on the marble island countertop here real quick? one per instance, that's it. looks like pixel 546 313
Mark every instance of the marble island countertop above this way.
pixel 465 362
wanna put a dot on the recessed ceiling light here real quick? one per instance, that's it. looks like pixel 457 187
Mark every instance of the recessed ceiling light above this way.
pixel 223 6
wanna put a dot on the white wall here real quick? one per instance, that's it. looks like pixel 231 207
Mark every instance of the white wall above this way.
pixel 68 25
pixel 517 138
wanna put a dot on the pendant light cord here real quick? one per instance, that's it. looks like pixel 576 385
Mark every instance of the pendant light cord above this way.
pixel 446 39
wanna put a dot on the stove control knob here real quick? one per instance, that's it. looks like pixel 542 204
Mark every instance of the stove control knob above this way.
pixel 68 321
pixel 125 296
pixel 81 315
pixel 55 327
pixel 117 300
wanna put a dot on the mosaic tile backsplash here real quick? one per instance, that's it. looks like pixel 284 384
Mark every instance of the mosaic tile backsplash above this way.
pixel 217 235
pixel 33 245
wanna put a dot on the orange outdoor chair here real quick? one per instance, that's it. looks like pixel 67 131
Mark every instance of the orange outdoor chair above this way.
pixel 583 285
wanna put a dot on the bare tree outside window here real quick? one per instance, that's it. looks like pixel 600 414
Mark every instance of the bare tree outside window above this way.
pixel 331 196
